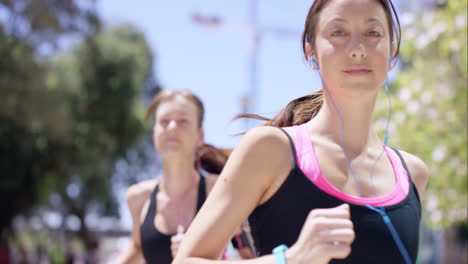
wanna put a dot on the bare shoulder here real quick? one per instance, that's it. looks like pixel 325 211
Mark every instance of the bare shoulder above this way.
pixel 264 152
pixel 418 170
pixel 265 145
pixel 138 193
pixel 269 139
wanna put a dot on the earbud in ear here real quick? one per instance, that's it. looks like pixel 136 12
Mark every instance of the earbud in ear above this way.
pixel 314 63
pixel 390 61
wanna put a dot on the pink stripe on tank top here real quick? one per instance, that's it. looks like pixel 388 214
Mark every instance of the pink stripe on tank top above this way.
pixel 308 163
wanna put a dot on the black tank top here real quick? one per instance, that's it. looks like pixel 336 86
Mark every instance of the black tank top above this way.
pixel 280 220
pixel 155 245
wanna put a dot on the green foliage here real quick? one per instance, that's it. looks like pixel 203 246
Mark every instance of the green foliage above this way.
pixel 430 106
pixel 40 23
pixel 29 135
pixel 103 80
pixel 66 119
pixel 32 125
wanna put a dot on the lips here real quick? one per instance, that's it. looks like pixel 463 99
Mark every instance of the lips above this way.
pixel 172 139
pixel 357 71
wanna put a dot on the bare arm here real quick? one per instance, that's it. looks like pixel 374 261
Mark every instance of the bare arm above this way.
pixel 245 252
pixel 136 196
pixel 236 193
pixel 131 255
pixel 250 178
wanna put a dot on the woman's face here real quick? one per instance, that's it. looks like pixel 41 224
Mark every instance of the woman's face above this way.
pixel 352 46
pixel 176 129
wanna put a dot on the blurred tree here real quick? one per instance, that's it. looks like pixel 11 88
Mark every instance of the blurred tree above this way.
pixel 105 108
pixel 430 105
pixel 31 123
pixel 41 23
pixel 65 118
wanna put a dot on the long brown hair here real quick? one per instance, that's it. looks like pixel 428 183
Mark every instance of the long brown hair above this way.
pixel 304 108
pixel 211 158
pixel 296 112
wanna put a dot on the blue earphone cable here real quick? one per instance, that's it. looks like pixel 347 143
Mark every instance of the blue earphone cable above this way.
pixel 393 231
pixel 380 211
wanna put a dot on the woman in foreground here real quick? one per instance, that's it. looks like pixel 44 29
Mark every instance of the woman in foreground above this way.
pixel 316 182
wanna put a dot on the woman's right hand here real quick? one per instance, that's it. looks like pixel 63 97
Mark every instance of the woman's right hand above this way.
pixel 327 234
pixel 176 240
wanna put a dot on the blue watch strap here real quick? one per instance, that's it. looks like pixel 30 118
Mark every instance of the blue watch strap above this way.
pixel 279 254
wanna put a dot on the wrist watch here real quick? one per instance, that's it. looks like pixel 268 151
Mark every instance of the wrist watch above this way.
pixel 279 254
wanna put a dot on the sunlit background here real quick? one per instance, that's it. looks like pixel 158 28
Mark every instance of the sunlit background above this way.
pixel 75 77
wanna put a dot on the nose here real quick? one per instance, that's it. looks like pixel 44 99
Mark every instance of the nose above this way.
pixel 358 49
pixel 172 125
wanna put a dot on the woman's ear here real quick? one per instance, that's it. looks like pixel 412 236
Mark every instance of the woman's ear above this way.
pixel 311 57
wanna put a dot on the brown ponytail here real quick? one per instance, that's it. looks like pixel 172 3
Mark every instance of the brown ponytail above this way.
pixel 213 159
pixel 297 112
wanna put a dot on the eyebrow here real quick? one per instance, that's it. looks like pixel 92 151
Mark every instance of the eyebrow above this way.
pixel 342 20
pixel 176 113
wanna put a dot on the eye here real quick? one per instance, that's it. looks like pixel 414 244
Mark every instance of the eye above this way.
pixel 374 33
pixel 337 33
pixel 182 122
pixel 164 122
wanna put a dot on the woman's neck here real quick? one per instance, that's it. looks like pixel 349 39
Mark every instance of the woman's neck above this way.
pixel 357 123
pixel 178 176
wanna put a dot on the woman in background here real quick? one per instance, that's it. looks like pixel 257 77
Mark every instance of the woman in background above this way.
pixel 163 208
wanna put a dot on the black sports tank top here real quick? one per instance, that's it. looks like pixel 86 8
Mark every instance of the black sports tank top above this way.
pixel 155 245
pixel 280 220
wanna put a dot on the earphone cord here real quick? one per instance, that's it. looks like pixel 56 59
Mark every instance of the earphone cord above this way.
pixel 381 211
pixel 385 138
